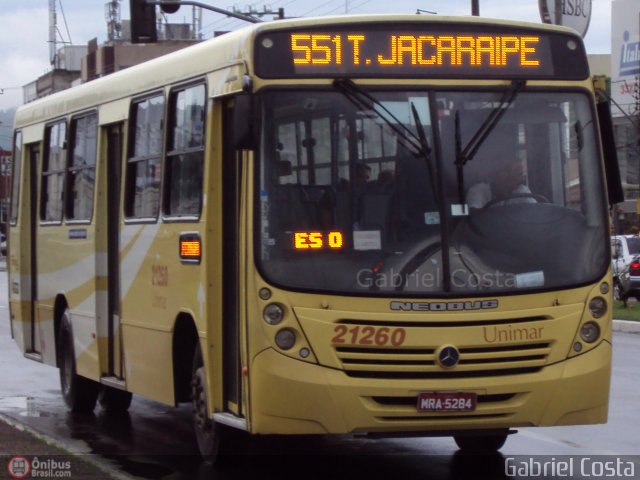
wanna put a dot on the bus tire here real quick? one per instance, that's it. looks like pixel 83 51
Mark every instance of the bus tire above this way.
pixel 489 443
pixel 206 430
pixel 113 400
pixel 79 393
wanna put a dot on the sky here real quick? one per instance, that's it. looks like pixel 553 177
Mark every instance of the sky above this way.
pixel 24 46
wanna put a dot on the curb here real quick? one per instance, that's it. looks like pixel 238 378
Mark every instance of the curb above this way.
pixel 626 326
pixel 103 466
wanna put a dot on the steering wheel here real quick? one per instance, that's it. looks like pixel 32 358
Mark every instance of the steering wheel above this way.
pixel 515 196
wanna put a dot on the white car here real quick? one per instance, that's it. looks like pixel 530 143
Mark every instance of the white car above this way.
pixel 624 248
pixel 625 255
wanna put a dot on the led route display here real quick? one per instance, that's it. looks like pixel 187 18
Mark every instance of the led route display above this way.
pixel 430 50
pixel 324 49
pixel 318 240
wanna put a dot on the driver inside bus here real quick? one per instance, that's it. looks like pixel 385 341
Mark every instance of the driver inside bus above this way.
pixel 508 185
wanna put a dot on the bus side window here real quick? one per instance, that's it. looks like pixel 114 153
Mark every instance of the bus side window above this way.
pixel 53 170
pixel 15 177
pixel 185 152
pixel 82 167
pixel 143 164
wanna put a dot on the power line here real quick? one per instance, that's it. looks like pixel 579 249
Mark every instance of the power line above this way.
pixel 64 18
pixel 251 9
pixel 2 89
pixel 220 23
pixel 317 8
pixel 353 7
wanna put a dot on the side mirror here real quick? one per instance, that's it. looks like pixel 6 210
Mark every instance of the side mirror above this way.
pixel 612 171
pixel 244 122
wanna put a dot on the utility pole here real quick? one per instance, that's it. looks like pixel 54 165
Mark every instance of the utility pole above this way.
pixel 196 17
pixel 53 26
pixel 558 11
pixel 475 8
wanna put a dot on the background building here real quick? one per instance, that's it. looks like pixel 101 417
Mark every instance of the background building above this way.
pixel 625 93
pixel 124 47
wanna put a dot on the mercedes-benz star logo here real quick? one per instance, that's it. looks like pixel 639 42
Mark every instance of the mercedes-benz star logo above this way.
pixel 448 356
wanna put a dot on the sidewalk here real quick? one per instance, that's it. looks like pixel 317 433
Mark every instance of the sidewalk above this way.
pixel 22 448
pixel 626 326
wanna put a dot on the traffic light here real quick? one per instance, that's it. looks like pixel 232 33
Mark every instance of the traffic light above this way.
pixel 143 22
pixel 170 6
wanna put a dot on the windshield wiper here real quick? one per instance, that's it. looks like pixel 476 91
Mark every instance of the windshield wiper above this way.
pixel 425 148
pixel 365 101
pixel 463 155
pixel 417 143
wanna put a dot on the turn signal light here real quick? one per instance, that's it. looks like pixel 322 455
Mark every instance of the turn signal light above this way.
pixel 190 248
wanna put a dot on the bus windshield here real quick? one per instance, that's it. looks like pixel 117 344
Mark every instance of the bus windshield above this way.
pixel 368 194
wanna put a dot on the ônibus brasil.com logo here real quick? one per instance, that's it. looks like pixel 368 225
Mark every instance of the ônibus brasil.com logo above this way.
pixel 18 467
pixel 22 467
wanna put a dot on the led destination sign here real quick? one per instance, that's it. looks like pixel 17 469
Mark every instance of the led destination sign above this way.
pixel 431 51
pixel 322 49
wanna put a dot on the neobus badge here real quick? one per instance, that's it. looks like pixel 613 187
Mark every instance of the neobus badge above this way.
pixel 443 306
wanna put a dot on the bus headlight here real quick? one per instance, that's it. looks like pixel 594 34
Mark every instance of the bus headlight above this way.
pixel 590 332
pixel 264 293
pixel 273 314
pixel 597 307
pixel 285 338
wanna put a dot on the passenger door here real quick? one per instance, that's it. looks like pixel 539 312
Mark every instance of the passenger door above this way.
pixel 231 312
pixel 113 134
pixel 32 342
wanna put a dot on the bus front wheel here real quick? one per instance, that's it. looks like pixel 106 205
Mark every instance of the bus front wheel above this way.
pixel 79 393
pixel 489 443
pixel 206 430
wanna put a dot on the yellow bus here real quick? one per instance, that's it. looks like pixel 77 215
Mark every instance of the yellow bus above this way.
pixel 387 225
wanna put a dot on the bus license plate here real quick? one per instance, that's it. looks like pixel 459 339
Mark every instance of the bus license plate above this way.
pixel 447 401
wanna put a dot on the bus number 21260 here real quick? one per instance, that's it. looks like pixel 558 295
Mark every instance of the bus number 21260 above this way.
pixel 357 335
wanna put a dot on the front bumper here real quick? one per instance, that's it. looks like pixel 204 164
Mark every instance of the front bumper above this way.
pixel 294 397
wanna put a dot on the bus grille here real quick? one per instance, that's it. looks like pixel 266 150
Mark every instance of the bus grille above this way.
pixel 415 363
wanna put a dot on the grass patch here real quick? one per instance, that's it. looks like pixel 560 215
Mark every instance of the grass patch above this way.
pixel 631 312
